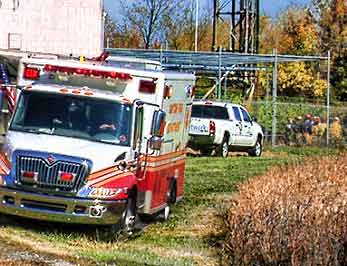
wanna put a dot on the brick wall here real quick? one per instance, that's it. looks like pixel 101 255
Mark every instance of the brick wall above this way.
pixel 52 26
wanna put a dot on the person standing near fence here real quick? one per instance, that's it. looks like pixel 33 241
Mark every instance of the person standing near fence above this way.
pixel 308 123
pixel 298 128
pixel 336 131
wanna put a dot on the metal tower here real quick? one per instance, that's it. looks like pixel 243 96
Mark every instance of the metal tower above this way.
pixel 243 16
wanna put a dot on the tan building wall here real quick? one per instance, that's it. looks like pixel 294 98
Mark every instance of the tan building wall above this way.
pixel 52 26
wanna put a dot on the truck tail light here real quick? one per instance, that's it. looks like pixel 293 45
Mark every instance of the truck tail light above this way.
pixel 212 128
pixel 147 86
pixel 66 177
pixel 88 72
pixel 31 73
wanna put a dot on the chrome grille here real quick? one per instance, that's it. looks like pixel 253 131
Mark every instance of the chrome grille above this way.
pixel 48 176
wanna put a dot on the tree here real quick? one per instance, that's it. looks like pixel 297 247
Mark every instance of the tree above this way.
pixel 110 31
pixel 296 79
pixel 147 17
pixel 294 32
pixel 332 23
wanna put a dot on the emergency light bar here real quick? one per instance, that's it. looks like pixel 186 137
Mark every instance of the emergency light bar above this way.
pixel 31 73
pixel 88 72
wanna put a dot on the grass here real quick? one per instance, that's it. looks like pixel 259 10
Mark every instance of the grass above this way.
pixel 190 237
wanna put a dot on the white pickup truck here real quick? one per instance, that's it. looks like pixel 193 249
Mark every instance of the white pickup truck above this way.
pixel 224 127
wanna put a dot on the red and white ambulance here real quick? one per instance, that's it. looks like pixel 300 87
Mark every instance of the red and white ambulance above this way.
pixel 95 142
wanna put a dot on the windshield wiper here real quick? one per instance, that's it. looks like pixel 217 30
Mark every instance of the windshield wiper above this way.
pixel 33 130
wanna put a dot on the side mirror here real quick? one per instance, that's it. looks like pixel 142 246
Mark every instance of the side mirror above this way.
pixel 157 130
pixel 254 119
pixel 158 123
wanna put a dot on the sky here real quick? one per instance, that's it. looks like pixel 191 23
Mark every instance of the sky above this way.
pixel 268 7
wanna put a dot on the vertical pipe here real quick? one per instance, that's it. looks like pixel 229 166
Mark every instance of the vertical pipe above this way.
pixel 220 74
pixel 257 27
pixel 233 24
pixel 267 96
pixel 274 98
pixel 225 85
pixel 241 29
pixel 214 33
pixel 246 26
pixel 196 24
pixel 328 98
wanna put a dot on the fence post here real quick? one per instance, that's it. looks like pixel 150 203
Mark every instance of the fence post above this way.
pixel 328 99
pixel 274 98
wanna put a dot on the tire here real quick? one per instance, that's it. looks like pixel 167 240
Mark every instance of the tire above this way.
pixel 171 199
pixel 124 228
pixel 129 216
pixel 257 150
pixel 223 149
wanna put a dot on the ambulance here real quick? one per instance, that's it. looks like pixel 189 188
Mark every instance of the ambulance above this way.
pixel 95 142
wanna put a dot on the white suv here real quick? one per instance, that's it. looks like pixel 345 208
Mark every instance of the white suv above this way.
pixel 224 127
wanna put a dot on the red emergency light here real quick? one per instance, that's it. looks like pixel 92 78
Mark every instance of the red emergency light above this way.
pixel 66 177
pixel 147 86
pixel 28 174
pixel 88 72
pixel 31 73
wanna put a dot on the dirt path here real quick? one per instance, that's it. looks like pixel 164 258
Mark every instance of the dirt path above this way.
pixel 13 256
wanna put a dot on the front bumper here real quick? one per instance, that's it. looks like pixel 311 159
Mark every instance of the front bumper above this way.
pixel 60 209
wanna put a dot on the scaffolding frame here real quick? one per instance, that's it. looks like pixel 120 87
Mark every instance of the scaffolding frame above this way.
pixel 243 16
pixel 226 62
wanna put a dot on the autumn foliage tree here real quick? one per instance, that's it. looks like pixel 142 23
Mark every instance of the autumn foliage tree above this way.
pixel 332 22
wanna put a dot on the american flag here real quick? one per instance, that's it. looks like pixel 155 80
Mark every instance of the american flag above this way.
pixel 9 91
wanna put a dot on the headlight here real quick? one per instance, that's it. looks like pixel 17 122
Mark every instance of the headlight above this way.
pixel 8 151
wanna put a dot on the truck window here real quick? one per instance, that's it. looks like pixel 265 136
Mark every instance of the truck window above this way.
pixel 98 120
pixel 245 115
pixel 208 111
pixel 237 113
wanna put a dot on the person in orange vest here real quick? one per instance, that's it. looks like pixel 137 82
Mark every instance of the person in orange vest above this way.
pixel 336 131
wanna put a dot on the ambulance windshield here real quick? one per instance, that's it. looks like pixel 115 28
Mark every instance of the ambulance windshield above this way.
pixel 93 119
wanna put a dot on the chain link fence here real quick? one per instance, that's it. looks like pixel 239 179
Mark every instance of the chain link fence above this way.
pixel 303 123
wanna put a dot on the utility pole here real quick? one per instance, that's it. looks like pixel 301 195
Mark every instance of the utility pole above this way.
pixel 196 24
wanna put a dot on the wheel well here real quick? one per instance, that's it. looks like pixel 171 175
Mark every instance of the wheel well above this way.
pixel 226 135
pixel 260 137
pixel 133 192
pixel 173 182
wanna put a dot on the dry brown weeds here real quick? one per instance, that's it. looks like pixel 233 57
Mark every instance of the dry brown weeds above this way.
pixel 291 216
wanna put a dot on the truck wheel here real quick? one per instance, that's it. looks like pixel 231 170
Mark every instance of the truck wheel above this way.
pixel 124 228
pixel 171 199
pixel 129 216
pixel 257 150
pixel 223 149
